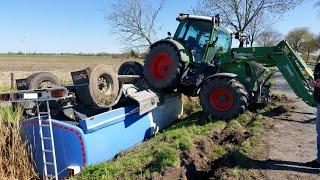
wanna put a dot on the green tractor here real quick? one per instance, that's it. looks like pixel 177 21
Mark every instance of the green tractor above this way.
pixel 199 61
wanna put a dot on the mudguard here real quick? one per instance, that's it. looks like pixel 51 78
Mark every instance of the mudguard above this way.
pixel 228 75
pixel 179 47
pixel 218 75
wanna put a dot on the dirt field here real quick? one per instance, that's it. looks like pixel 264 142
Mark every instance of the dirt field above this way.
pixel 61 66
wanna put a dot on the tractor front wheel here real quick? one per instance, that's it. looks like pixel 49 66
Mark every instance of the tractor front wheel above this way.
pixel 223 98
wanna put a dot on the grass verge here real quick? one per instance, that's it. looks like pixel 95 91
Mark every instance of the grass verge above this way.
pixel 14 158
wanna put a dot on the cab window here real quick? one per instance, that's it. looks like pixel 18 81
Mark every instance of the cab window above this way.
pixel 195 35
pixel 224 41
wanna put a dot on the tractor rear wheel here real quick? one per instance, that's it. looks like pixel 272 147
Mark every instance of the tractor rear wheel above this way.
pixel 223 98
pixel 163 67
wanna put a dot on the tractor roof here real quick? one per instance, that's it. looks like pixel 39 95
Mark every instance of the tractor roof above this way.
pixel 216 18
pixel 188 16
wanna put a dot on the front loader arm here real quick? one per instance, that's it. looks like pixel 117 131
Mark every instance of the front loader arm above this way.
pixel 290 64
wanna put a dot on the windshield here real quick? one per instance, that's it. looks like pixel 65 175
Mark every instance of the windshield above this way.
pixel 195 35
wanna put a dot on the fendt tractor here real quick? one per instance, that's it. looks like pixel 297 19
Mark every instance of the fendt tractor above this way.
pixel 199 61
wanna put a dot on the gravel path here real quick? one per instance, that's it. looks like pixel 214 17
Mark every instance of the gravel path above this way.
pixel 291 140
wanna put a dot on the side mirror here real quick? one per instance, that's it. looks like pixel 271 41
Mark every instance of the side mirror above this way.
pixel 237 35
pixel 169 34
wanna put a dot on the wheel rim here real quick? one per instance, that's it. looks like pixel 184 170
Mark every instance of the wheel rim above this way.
pixel 46 85
pixel 105 84
pixel 161 66
pixel 221 99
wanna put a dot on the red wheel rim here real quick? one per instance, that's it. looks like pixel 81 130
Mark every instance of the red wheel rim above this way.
pixel 161 66
pixel 221 99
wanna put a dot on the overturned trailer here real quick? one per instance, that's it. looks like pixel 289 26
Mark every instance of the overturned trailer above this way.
pixel 64 141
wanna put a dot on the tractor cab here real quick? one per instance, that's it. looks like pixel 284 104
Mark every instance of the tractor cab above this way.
pixel 202 36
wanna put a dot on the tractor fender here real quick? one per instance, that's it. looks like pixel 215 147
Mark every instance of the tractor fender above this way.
pixel 178 46
pixel 218 75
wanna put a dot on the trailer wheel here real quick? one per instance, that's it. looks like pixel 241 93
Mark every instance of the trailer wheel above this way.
pixel 131 68
pixel 42 80
pixel 103 86
pixel 163 67
pixel 224 98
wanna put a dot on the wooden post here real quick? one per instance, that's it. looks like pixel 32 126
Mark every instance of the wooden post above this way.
pixel 12 81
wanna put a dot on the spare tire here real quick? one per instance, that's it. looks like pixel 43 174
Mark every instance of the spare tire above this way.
pixel 131 68
pixel 163 67
pixel 42 80
pixel 103 86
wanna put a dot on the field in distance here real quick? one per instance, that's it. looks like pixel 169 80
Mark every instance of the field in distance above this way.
pixel 61 66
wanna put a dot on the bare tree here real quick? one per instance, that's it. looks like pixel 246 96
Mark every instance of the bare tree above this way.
pixel 269 37
pixel 238 14
pixel 310 46
pixel 298 37
pixel 256 28
pixel 135 21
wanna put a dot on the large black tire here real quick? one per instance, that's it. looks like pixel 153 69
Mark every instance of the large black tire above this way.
pixel 163 67
pixel 103 86
pixel 223 98
pixel 131 68
pixel 42 80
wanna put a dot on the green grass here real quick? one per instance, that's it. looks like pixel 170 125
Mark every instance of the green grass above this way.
pixel 218 152
pixel 251 146
pixel 166 157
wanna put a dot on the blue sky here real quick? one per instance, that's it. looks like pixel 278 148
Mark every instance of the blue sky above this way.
pixel 79 25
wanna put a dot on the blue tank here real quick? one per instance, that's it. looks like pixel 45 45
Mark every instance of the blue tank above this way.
pixel 101 137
